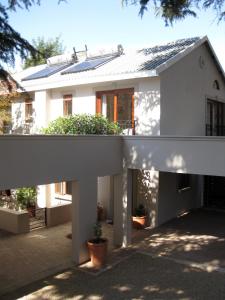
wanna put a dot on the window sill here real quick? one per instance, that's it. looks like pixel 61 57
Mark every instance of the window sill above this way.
pixel 65 197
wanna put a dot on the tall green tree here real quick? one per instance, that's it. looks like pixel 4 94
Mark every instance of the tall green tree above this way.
pixel 174 10
pixel 46 49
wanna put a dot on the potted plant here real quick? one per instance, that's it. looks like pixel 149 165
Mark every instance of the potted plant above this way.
pixel 98 247
pixel 27 199
pixel 140 218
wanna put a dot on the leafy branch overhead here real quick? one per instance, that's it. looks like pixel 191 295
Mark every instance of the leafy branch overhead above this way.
pixel 11 42
pixel 174 10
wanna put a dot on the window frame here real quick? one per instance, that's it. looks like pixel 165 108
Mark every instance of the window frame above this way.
pixel 28 110
pixel 67 99
pixel 61 188
pixel 115 93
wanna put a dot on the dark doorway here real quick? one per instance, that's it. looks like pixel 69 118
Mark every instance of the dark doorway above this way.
pixel 214 195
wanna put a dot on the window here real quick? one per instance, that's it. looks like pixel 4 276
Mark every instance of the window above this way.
pixel 215 118
pixel 183 182
pixel 117 106
pixel 63 188
pixel 67 105
pixel 216 85
pixel 28 110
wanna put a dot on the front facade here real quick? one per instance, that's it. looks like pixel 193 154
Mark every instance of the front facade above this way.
pixel 175 89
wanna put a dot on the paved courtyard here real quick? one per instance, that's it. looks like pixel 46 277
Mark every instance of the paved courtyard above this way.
pixel 139 277
pixel 183 259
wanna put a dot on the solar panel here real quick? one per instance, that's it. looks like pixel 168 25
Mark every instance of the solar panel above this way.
pixel 88 64
pixel 47 71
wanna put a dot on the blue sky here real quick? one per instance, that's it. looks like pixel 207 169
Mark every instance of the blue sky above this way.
pixel 100 23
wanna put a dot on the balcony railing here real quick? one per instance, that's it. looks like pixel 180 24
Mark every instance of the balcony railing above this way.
pixel 215 130
pixel 22 129
pixel 128 126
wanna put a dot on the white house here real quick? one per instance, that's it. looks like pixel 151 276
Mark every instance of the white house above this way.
pixel 176 89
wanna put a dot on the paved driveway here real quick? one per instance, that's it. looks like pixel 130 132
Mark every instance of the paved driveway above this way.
pixel 139 277
pixel 196 237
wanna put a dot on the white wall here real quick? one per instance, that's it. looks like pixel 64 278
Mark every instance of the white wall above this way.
pixel 184 88
pixel 42 159
pixel 146 185
pixel 172 202
pixel 18 115
pixel 147 106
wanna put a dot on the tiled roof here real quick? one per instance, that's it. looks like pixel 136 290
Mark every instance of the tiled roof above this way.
pixel 130 62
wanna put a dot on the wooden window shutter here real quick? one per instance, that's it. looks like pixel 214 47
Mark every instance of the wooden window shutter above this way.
pixel 98 104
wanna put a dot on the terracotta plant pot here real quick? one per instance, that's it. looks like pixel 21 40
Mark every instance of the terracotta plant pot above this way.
pixel 98 252
pixel 139 222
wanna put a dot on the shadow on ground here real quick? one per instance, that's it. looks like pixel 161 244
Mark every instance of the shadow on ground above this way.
pixel 139 277
pixel 198 236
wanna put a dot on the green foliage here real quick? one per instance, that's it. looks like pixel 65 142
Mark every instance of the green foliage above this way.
pixel 46 49
pixel 26 196
pixel 174 10
pixel 140 211
pixel 11 42
pixel 97 231
pixel 82 124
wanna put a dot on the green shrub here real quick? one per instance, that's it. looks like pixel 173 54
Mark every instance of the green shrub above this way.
pixel 82 124
pixel 26 197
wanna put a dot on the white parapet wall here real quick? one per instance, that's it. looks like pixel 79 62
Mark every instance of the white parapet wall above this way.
pixel 14 221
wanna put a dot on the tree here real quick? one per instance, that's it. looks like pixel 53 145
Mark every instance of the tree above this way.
pixel 45 49
pixel 173 10
pixel 82 124
pixel 11 42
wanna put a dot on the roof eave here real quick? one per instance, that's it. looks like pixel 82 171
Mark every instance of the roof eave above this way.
pixel 34 85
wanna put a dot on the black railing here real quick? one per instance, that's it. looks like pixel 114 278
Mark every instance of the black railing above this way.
pixel 215 130
pixel 128 126
pixel 38 218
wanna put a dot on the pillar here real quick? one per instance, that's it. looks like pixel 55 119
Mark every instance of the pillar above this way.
pixel 123 208
pixel 84 215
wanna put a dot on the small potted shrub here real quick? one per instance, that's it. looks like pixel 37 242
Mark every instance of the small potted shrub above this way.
pixel 140 218
pixel 98 247
pixel 27 199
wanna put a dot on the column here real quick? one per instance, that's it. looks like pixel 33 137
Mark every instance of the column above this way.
pixel 40 107
pixel 123 208
pixel 84 215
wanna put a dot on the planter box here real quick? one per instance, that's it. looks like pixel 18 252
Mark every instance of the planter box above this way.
pixel 14 221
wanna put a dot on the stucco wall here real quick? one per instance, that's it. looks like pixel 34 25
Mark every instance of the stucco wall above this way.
pixel 147 106
pixel 14 221
pixel 18 115
pixel 48 105
pixel 172 202
pixel 59 214
pixel 184 88
pixel 36 160
pixel 145 185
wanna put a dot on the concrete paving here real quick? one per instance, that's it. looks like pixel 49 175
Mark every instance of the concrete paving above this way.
pixel 196 239
pixel 139 277
pixel 28 257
